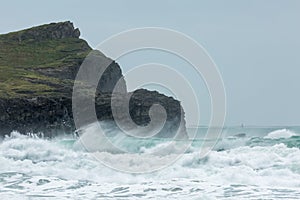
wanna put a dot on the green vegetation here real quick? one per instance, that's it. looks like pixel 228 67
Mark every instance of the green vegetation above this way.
pixel 30 54
pixel 17 83
pixel 24 64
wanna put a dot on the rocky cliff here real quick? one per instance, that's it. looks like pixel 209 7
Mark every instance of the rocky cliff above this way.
pixel 37 71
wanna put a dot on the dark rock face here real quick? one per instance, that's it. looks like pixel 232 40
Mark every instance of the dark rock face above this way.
pixel 48 115
pixel 108 71
pixel 53 116
pixel 50 111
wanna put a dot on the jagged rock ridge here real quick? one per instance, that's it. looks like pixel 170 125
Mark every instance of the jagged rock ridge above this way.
pixel 50 31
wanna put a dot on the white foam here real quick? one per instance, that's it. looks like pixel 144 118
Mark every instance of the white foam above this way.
pixel 44 167
pixel 282 133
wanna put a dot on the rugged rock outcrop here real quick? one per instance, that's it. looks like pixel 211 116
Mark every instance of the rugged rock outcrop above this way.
pixel 49 31
pixel 37 71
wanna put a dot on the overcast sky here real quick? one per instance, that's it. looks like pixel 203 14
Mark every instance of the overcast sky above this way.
pixel 255 44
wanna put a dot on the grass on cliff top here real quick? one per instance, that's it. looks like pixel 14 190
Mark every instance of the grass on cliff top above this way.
pixel 20 61
pixel 18 83
pixel 41 54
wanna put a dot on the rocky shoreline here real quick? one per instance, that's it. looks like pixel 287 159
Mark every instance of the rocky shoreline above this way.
pixel 38 67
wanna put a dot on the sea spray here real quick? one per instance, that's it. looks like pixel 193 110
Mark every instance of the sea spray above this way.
pixel 36 167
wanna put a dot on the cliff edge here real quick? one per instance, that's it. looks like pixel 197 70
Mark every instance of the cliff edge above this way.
pixel 37 71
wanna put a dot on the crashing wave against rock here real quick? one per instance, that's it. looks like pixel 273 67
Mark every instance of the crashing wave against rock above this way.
pixel 37 71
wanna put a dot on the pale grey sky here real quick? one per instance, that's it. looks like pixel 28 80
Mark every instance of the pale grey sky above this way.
pixel 256 44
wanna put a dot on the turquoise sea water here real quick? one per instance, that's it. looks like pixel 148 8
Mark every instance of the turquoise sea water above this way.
pixel 245 163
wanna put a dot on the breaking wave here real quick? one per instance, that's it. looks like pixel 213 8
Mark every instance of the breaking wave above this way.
pixel 244 167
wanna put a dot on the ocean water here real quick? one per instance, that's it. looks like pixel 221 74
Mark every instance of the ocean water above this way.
pixel 245 163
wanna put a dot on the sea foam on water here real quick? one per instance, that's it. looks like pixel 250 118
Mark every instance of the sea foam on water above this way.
pixel 36 167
